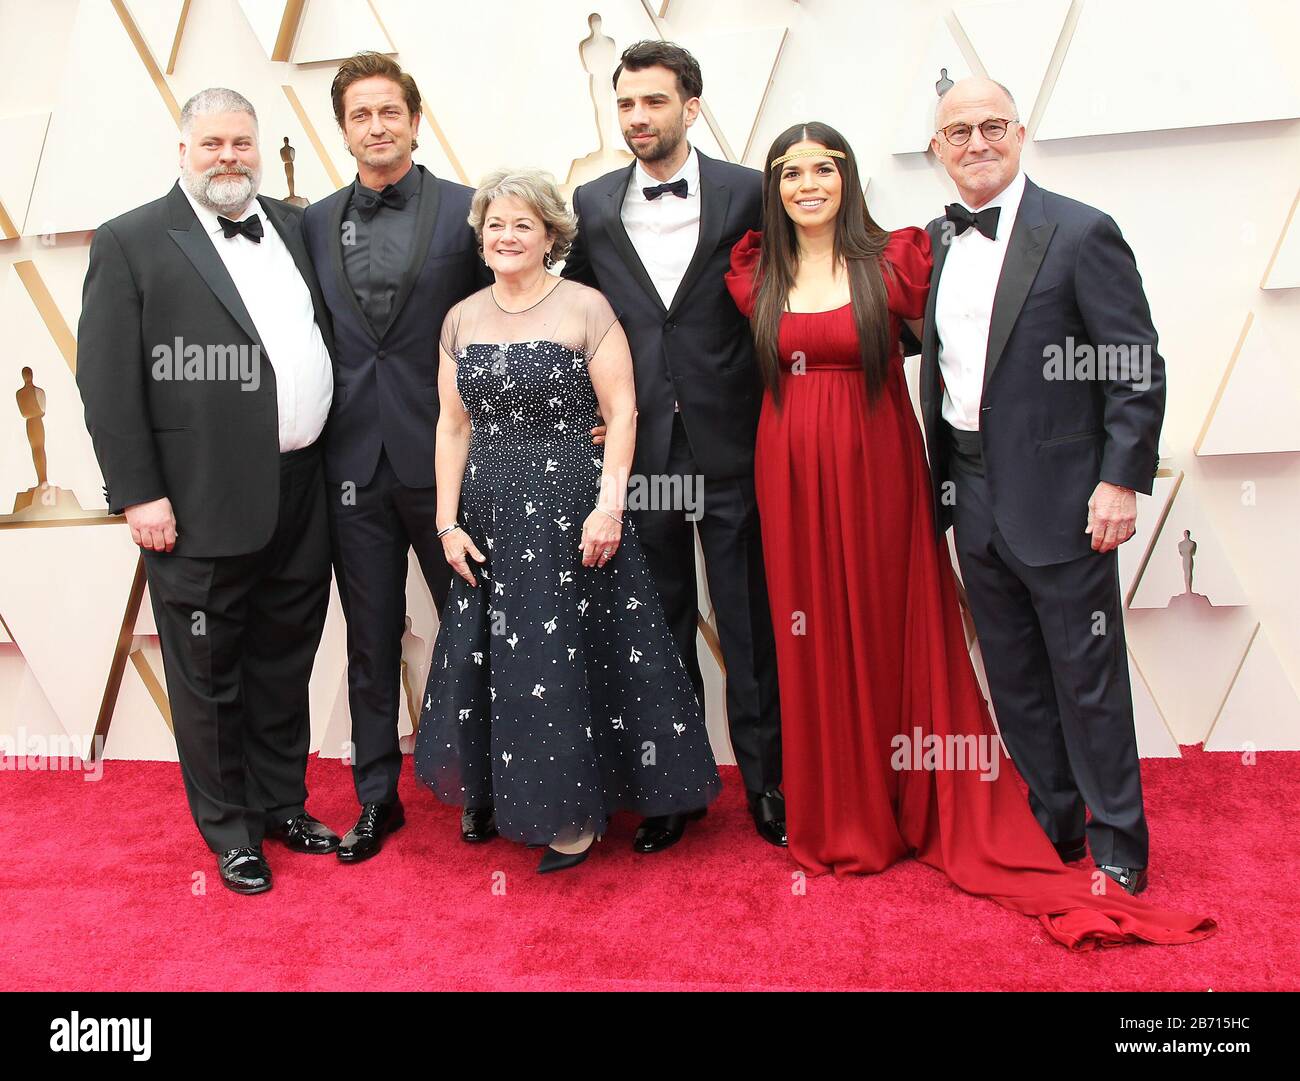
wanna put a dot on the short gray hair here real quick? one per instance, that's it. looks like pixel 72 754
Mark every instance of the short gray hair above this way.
pixel 215 99
pixel 536 188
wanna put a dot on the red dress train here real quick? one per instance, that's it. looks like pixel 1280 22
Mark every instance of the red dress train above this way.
pixel 871 647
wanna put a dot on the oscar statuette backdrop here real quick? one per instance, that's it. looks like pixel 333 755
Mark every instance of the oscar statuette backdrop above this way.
pixel 1186 130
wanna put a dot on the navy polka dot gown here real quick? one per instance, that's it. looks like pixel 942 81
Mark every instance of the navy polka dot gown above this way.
pixel 556 691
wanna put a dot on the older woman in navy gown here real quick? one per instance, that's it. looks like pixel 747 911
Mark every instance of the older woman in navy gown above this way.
pixel 556 694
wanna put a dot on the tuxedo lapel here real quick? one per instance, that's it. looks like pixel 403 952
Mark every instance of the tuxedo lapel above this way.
pixel 930 332
pixel 425 220
pixel 190 236
pixel 334 238
pixel 613 221
pixel 714 200
pixel 1025 250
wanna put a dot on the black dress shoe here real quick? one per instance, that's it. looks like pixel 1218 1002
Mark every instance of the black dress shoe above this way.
pixel 1133 879
pixel 302 833
pixel 768 809
pixel 478 824
pixel 366 838
pixel 663 831
pixel 1071 851
pixel 244 870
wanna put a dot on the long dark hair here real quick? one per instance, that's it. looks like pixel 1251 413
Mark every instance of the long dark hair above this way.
pixel 858 243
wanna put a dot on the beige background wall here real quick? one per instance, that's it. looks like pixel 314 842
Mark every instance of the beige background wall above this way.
pixel 1178 118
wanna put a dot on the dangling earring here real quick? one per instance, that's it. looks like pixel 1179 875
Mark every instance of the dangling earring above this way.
pixel 548 260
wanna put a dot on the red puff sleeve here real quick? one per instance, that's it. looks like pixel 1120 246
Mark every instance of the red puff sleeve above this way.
pixel 744 263
pixel 908 253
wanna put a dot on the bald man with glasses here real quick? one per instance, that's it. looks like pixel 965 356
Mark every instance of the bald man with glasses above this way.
pixel 1042 395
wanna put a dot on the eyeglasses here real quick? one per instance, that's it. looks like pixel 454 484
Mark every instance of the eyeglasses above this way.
pixel 993 130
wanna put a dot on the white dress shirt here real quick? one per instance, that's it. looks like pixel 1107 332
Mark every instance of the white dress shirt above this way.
pixel 964 306
pixel 279 303
pixel 664 231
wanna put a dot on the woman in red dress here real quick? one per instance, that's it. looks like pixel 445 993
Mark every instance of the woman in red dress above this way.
pixel 888 745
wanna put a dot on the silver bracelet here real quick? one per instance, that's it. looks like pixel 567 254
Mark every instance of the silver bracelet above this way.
pixel 450 529
pixel 608 515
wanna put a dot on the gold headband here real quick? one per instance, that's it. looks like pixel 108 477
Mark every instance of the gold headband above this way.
pixel 807 152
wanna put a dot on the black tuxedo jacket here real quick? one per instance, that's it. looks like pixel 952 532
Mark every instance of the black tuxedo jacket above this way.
pixel 1069 284
pixel 386 378
pixel 698 351
pixel 208 445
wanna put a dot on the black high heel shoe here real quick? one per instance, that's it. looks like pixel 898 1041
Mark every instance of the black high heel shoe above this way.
pixel 562 861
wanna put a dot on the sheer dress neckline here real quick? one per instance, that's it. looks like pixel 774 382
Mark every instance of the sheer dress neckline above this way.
pixel 540 300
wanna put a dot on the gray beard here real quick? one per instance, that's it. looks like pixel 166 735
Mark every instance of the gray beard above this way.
pixel 221 194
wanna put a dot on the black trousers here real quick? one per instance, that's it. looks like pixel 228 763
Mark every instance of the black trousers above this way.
pixel 372 530
pixel 1053 644
pixel 239 637
pixel 733 565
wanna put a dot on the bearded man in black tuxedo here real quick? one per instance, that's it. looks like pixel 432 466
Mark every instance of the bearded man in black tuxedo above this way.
pixel 656 239
pixel 203 362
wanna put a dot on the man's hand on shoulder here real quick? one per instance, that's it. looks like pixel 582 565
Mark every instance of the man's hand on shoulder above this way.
pixel 153 526
pixel 1112 516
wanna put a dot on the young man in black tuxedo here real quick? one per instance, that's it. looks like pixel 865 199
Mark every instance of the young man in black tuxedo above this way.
pixel 656 239
pixel 1036 461
pixel 394 251
pixel 203 362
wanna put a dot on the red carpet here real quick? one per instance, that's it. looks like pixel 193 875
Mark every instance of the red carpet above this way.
pixel 96 884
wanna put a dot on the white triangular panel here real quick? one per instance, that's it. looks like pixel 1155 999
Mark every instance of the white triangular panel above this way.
pixel 1258 402
pixel 1134 550
pixel 103 82
pixel 23 138
pixel 159 21
pixel 1261 710
pixel 1212 574
pixel 144 622
pixel 336 732
pixel 64 601
pixel 138 730
pixel 265 17
pixel 750 54
pixel 915 124
pixel 62 270
pixel 335 29
pixel 1154 739
pixel 1017 58
pixel 328 687
pixel 24 708
pixel 1164 67
pixel 1283 270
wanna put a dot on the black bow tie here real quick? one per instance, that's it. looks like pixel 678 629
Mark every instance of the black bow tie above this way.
pixel 251 227
pixel 368 202
pixel 677 188
pixel 986 221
